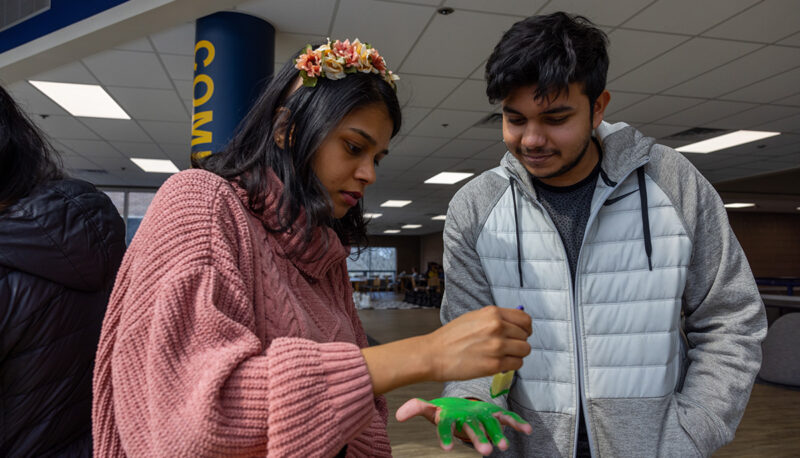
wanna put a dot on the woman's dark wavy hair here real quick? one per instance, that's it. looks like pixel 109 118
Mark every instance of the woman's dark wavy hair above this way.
pixel 26 157
pixel 551 52
pixel 310 115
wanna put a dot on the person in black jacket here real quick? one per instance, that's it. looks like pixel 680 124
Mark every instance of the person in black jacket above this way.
pixel 61 243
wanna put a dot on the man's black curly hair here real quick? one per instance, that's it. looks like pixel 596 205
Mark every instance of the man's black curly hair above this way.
pixel 550 52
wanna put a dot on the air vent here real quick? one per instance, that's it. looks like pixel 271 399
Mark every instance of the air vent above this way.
pixel 12 12
pixel 95 171
pixel 696 134
pixel 492 120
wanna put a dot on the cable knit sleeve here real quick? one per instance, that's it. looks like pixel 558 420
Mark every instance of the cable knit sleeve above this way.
pixel 180 370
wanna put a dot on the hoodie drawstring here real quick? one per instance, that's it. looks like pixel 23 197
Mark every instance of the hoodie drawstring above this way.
pixel 648 246
pixel 516 230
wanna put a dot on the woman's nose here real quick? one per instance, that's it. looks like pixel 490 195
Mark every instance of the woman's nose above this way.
pixel 366 171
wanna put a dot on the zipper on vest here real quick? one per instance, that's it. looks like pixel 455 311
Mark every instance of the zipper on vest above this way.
pixel 581 387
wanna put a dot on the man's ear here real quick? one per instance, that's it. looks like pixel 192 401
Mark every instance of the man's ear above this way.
pixel 599 108
pixel 280 125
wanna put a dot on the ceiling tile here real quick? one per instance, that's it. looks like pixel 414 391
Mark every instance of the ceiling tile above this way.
pixel 411 117
pixel 522 8
pixel 74 72
pixel 288 44
pixel 686 16
pixel 141 44
pixel 64 127
pixel 424 91
pixel 178 67
pixel 150 104
pixel 788 124
pixel 168 132
pixel 660 130
pixel 298 16
pixel 91 148
pixel 463 148
pixel 654 108
pixel 32 101
pixel 793 40
pixel 117 129
pixel 139 149
pixel 445 50
pixel 471 95
pixel 185 93
pixel 77 162
pixel 757 116
pixel 128 68
pixel 630 48
pixel 480 72
pixel 751 68
pixel 766 22
pixel 396 163
pixel 447 123
pixel 681 64
pixel 791 100
pixel 620 100
pixel 603 13
pixel 706 112
pixel 775 89
pixel 177 40
pixel 417 146
pixel 482 133
pixel 386 21
pixel 492 154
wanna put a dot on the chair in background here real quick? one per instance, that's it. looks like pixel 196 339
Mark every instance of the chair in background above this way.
pixel 781 359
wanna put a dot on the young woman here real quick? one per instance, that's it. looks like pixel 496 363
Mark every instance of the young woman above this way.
pixel 61 242
pixel 231 329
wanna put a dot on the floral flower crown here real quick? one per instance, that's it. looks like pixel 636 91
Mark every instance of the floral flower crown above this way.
pixel 335 60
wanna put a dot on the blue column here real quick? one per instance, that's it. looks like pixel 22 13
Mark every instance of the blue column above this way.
pixel 234 56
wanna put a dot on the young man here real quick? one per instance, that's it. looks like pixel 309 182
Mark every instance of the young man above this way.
pixel 647 322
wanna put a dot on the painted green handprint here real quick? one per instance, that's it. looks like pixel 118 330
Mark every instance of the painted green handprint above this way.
pixel 462 412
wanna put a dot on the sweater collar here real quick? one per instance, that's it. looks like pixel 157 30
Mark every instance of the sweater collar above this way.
pixel 314 258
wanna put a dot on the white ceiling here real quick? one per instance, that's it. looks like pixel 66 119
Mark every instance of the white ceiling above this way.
pixel 675 64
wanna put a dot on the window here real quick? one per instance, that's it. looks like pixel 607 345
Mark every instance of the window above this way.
pixel 374 261
pixel 131 205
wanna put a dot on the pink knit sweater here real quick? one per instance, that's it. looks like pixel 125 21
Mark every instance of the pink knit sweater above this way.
pixel 224 339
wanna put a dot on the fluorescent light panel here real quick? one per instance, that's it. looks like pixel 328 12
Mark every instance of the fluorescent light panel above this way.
pixel 411 226
pixel 739 205
pixel 395 203
pixel 84 100
pixel 155 165
pixel 391 231
pixel 730 140
pixel 372 215
pixel 439 217
pixel 448 178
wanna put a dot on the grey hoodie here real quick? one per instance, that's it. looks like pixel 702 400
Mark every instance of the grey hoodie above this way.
pixel 658 340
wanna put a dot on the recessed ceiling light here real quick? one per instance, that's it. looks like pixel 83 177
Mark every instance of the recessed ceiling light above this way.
pixel 448 178
pixel 155 165
pixel 439 217
pixel 411 226
pixel 391 231
pixel 85 100
pixel 730 140
pixel 372 215
pixel 395 203
pixel 445 11
pixel 798 208
pixel 739 205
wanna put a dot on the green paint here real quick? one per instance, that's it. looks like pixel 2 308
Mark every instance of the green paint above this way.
pixel 462 412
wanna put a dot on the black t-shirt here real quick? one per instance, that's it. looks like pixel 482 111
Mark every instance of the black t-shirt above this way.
pixel 569 208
